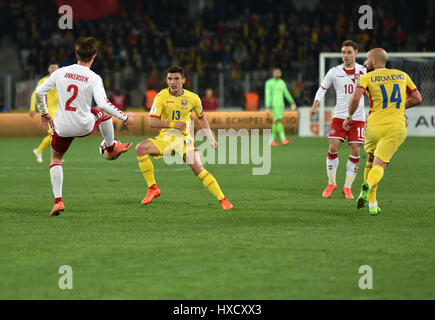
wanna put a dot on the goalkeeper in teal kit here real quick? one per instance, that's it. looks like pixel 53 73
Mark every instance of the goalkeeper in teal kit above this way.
pixel 275 92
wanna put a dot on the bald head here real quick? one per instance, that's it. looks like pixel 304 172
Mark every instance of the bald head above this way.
pixel 379 55
pixel 376 58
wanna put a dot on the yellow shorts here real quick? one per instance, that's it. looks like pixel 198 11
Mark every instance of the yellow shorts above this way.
pixel 384 140
pixel 171 142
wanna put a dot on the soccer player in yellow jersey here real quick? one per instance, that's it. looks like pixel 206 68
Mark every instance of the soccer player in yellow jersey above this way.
pixel 52 101
pixel 170 113
pixel 386 124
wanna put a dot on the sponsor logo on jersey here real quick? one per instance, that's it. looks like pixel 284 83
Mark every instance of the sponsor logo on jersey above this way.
pixel 170 101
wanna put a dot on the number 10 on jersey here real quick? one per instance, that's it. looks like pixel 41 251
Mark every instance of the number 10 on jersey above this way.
pixel 348 89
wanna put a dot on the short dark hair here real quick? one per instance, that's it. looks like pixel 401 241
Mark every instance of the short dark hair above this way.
pixel 86 48
pixel 350 43
pixel 176 69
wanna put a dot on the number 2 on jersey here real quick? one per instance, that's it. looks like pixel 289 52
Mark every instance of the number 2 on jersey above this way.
pixel 75 90
pixel 395 96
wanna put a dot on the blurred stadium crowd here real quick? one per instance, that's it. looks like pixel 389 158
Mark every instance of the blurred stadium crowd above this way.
pixel 238 40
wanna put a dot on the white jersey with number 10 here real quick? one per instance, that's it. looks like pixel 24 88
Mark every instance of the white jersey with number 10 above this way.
pixel 345 82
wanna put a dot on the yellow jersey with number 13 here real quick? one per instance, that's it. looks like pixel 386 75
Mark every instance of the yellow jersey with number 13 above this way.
pixel 387 89
pixel 170 108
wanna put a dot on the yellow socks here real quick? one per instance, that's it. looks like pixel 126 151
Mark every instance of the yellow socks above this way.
pixel 372 194
pixel 375 175
pixel 373 178
pixel 367 170
pixel 147 169
pixel 45 143
pixel 211 184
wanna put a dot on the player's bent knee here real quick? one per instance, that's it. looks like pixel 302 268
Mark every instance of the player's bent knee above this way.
pixel 142 148
pixel 196 168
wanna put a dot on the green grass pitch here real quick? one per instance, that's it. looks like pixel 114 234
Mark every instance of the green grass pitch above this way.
pixel 282 240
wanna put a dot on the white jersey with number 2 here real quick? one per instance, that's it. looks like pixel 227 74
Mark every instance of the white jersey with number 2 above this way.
pixel 345 82
pixel 76 86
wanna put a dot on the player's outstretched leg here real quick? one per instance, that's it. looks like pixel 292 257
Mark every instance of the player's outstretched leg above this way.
pixel 117 149
pixel 363 197
pixel 114 148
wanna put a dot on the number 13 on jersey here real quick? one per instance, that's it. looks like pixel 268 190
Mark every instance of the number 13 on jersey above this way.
pixel 176 115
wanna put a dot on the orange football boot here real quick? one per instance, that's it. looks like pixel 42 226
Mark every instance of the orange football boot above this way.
pixel 153 192
pixel 119 148
pixel 347 192
pixel 226 204
pixel 274 143
pixel 285 142
pixel 57 209
pixel 327 192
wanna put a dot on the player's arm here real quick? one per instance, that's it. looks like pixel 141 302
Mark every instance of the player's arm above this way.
pixel 155 116
pixel 41 102
pixel 102 102
pixel 321 93
pixel 268 96
pixel 414 95
pixel 319 96
pixel 204 124
pixel 32 110
pixel 289 98
pixel 353 105
pixel 413 99
pixel 155 122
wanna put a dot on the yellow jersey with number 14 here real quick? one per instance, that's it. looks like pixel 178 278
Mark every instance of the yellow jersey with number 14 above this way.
pixel 170 108
pixel 387 89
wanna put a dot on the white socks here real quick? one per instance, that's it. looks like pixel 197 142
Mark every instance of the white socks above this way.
pixel 352 166
pixel 331 167
pixel 106 129
pixel 351 170
pixel 56 175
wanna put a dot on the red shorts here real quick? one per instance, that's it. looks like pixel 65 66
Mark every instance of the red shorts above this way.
pixel 354 135
pixel 61 144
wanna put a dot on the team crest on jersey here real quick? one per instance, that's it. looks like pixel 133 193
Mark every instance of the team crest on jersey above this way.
pixel 184 102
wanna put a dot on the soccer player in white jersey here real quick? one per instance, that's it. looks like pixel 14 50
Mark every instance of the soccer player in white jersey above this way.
pixel 344 78
pixel 76 85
